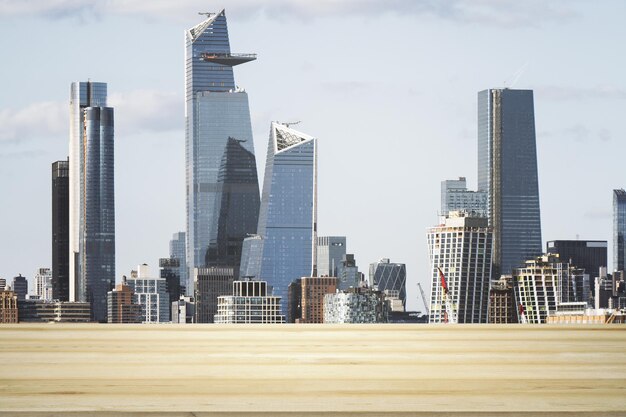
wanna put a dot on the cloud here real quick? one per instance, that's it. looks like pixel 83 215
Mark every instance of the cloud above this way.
pixel 135 111
pixel 147 110
pixel 35 120
pixel 503 13
pixel 581 93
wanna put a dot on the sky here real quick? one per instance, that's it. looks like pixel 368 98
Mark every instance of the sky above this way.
pixel 388 88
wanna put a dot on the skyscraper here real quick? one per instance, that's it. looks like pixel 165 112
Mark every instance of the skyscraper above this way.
pixel 507 171
pixel 587 254
pixel 330 252
pixel 461 249
pixel 387 276
pixel 92 202
pixel 455 196
pixel 60 231
pixel 619 229
pixel 20 287
pixel 178 251
pixel 288 216
pixel 222 185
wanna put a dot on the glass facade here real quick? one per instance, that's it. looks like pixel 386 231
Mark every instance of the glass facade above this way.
pixel 619 229
pixel 222 185
pixel 507 171
pixel 387 276
pixel 178 251
pixel 82 95
pixel 330 253
pixel 288 214
pixel 97 240
pixel 60 231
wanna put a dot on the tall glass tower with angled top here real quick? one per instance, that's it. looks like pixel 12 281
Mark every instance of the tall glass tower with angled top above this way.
pixel 222 186
pixel 284 248
pixel 507 171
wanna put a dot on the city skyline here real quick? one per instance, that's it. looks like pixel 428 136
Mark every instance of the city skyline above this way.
pixel 352 164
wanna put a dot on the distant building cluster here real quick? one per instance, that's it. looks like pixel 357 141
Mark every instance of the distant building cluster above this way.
pixel 253 255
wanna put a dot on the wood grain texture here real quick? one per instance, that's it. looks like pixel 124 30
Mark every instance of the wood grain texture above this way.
pixel 312 370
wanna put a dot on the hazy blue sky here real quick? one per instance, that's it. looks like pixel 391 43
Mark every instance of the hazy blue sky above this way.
pixel 388 87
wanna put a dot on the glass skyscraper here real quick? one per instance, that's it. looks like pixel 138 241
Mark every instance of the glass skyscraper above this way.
pixel 92 200
pixel 507 171
pixel 284 248
pixel 619 229
pixel 222 185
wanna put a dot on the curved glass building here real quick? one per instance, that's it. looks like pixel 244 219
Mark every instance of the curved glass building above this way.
pixel 222 190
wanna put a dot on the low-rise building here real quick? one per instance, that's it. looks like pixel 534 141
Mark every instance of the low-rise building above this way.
pixel 184 310
pixel 42 311
pixel 502 305
pixel 250 303
pixel 356 305
pixel 121 304
pixel 8 306
pixel 313 291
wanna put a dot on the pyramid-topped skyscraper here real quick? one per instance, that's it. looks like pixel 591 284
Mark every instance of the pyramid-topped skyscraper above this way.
pixel 222 190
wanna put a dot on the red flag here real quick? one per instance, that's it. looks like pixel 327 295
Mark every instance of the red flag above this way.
pixel 443 282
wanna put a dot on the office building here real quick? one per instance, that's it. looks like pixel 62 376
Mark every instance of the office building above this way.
pixel 461 248
pixel 590 255
pixel 92 200
pixel 184 310
pixel 3 283
pixel 20 287
pixel 8 306
pixel 387 276
pixel 43 284
pixel 151 293
pixel 250 302
pixel 502 305
pixel 348 274
pixel 356 305
pixel 60 231
pixel 178 251
pixel 211 283
pixel 313 291
pixel 285 244
pixel 456 197
pixel 169 270
pixel 507 172
pixel 294 302
pixel 619 230
pixel 57 311
pixel 122 306
pixel 221 175
pixel 330 253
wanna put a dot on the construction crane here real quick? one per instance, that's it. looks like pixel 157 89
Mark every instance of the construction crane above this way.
pixel 449 316
pixel 288 124
pixel 423 298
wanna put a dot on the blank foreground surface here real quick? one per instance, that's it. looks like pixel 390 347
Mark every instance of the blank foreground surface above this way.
pixel 312 370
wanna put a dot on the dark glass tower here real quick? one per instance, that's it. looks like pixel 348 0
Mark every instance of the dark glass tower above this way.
pixel 587 254
pixel 97 241
pixel 619 229
pixel 507 171
pixel 284 249
pixel 222 184
pixel 60 231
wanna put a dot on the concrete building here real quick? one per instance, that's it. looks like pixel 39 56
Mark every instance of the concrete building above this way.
pixel 502 305
pixel 184 310
pixel 8 306
pixel 121 304
pixel 507 172
pixel 43 284
pixel 356 305
pixel 20 287
pixel 388 276
pixel 544 283
pixel 461 248
pixel 313 291
pixel 250 303
pixel 456 197
pixel 151 293
pixel 330 253
pixel 211 283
